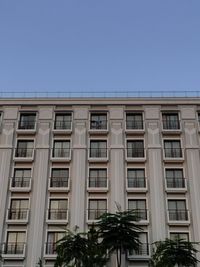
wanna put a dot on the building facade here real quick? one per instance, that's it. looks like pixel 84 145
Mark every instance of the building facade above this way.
pixel 64 162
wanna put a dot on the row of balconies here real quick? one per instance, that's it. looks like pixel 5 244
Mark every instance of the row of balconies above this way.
pixel 60 216
pixel 97 184
pixel 101 154
pixel 17 250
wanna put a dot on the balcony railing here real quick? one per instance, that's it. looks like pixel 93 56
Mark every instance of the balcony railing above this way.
pixel 57 214
pixel 20 182
pixel 175 182
pixel 26 125
pixel 135 152
pixel 134 125
pixel 143 250
pixel 61 152
pixel 97 182
pixel 50 248
pixel 62 125
pixel 59 182
pixel 138 182
pixel 98 125
pixel 178 215
pixel 94 214
pixel 140 214
pixel 98 152
pixel 18 214
pixel 13 248
pixel 173 153
pixel 171 125
pixel 24 152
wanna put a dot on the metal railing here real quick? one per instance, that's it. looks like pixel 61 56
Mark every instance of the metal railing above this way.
pixel 20 182
pixel 61 153
pixel 18 214
pixel 171 125
pixel 175 182
pixel 50 248
pixel 173 152
pixel 13 248
pixel 178 215
pixel 143 250
pixel 59 182
pixel 24 152
pixel 134 125
pixel 101 94
pixel 94 214
pixel 140 214
pixel 97 182
pixel 139 182
pixel 98 125
pixel 98 152
pixel 62 125
pixel 26 125
pixel 57 214
pixel 135 152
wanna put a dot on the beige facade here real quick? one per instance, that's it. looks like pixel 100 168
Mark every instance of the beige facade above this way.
pixel 64 162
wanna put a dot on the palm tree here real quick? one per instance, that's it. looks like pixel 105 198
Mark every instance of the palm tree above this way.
pixel 119 232
pixel 81 249
pixel 170 253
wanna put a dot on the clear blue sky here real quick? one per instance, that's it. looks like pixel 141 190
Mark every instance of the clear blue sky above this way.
pixel 99 45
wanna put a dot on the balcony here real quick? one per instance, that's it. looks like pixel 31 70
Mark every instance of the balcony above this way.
pixel 97 184
pixel 13 250
pixel 60 184
pixel 62 127
pixel 50 250
pixel 178 217
pixel 173 154
pixel 98 154
pixel 177 185
pixel 142 216
pixel 26 127
pixel 61 154
pixel 24 154
pixel 135 126
pixel 17 216
pixel 141 254
pixel 135 154
pixel 94 214
pixel 98 126
pixel 138 184
pixel 172 126
pixel 20 184
pixel 57 216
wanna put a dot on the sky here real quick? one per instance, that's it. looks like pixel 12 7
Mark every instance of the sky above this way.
pixel 99 45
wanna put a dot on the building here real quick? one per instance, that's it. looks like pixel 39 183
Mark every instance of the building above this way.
pixel 63 162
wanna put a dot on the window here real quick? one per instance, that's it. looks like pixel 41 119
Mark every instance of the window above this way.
pixel 98 178
pixel 174 178
pixel 61 149
pixel 177 210
pixel 52 238
pixel 22 178
pixel 170 121
pixel 139 206
pixel 24 148
pixel 59 177
pixel 143 249
pixel 27 121
pixel 135 149
pixel 58 209
pixel 18 209
pixel 98 149
pixel 98 121
pixel 173 149
pixel 63 121
pixel 134 121
pixel 15 243
pixel 97 207
pixel 184 236
pixel 136 178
